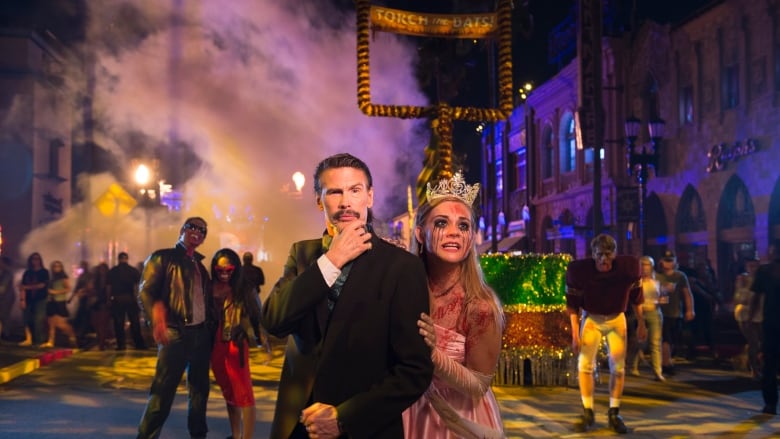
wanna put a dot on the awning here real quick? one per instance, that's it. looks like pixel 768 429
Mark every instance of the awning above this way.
pixel 508 243
pixel 484 247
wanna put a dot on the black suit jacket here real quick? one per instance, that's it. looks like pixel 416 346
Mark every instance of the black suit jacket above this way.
pixel 370 360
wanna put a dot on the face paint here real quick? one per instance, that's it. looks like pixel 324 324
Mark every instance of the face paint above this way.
pixel 229 269
pixel 224 269
pixel 448 232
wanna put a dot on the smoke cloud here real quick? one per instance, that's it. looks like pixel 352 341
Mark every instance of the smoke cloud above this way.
pixel 232 98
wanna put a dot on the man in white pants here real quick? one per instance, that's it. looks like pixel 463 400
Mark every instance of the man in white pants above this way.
pixel 598 290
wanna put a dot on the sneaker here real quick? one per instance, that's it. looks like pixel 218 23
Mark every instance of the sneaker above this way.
pixel 48 344
pixel 616 421
pixel 586 421
pixel 634 372
pixel 660 378
pixel 25 343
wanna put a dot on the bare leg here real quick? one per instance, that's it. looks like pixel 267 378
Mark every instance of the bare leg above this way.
pixel 66 327
pixel 248 422
pixel 52 332
pixel 234 415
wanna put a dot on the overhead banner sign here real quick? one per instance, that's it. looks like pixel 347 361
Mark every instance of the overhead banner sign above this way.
pixel 434 25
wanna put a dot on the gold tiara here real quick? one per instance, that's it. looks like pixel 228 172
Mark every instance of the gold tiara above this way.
pixel 454 187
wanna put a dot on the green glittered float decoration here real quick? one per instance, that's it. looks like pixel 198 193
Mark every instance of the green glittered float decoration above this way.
pixel 532 289
pixel 527 279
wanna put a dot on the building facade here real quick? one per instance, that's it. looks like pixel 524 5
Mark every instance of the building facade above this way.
pixel 714 196
pixel 35 136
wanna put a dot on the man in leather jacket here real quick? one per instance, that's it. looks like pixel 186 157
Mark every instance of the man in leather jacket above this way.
pixel 175 293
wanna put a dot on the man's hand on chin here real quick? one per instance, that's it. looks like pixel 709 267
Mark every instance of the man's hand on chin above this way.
pixel 351 242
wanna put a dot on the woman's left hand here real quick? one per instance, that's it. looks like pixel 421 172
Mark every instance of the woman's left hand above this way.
pixel 427 330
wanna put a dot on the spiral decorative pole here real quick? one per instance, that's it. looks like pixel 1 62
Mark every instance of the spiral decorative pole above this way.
pixel 445 141
pixel 445 114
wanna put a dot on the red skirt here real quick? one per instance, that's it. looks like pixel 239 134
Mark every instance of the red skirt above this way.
pixel 234 379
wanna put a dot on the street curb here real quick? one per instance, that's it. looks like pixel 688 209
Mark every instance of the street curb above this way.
pixel 31 364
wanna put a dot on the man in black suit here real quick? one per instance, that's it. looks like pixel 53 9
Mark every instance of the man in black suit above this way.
pixel 122 283
pixel 350 303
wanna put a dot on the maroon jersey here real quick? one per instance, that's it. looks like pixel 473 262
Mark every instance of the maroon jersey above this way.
pixel 603 293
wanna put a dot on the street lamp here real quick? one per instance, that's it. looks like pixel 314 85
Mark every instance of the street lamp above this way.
pixel 640 159
pixel 299 180
pixel 143 175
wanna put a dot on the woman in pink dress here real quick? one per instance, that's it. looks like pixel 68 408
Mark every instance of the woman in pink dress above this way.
pixel 230 356
pixel 465 326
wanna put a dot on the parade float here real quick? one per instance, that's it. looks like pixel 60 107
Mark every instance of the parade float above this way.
pixel 536 345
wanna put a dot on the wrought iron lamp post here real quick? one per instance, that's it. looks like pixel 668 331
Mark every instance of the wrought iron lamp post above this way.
pixel 640 159
pixel 143 177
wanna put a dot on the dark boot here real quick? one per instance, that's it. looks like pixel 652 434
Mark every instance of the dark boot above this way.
pixel 616 421
pixel 585 422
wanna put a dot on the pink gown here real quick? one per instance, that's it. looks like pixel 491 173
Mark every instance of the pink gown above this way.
pixel 444 408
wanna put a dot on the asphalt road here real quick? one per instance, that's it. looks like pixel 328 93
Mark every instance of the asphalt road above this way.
pixel 102 394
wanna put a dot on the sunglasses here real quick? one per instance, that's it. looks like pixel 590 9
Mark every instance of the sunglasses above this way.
pixel 225 269
pixel 196 228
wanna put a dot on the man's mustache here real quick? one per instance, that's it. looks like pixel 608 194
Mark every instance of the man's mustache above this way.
pixel 337 216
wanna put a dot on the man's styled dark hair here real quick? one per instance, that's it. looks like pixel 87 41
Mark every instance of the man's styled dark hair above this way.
pixel 343 160
pixel 122 255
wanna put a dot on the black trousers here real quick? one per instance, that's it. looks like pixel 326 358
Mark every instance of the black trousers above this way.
pixel 126 307
pixel 190 350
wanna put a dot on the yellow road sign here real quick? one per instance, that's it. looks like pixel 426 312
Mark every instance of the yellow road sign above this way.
pixel 115 202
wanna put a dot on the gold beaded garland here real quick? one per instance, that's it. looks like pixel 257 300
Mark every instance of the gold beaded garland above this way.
pixel 441 110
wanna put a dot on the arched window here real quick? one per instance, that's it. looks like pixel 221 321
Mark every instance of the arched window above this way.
pixel 568 144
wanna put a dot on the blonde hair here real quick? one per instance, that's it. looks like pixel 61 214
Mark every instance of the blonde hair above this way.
pixel 649 260
pixel 472 277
